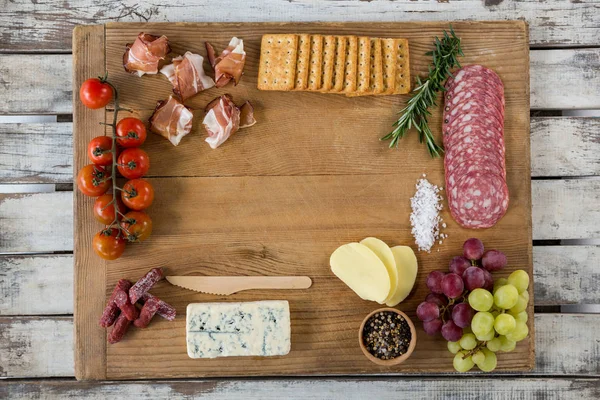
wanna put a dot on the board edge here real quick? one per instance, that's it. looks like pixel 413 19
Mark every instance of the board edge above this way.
pixel 89 295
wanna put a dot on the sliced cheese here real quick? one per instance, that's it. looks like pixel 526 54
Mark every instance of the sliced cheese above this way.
pixel 360 268
pixel 406 264
pixel 384 253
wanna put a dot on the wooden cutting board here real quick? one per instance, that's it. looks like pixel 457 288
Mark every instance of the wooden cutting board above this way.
pixel 279 197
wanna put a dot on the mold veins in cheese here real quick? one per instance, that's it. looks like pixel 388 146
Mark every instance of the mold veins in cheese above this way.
pixel 360 268
pixel 260 328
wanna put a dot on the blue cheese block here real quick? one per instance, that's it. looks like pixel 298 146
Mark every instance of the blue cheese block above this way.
pixel 260 328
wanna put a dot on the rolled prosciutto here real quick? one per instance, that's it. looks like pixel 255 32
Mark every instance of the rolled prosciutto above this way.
pixel 230 64
pixel 187 75
pixel 142 57
pixel 171 120
pixel 223 118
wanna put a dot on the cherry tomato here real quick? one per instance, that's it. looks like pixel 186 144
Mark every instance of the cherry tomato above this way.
pixel 93 180
pixel 137 194
pixel 104 212
pixel 137 226
pixel 131 132
pixel 95 93
pixel 133 163
pixel 99 150
pixel 109 244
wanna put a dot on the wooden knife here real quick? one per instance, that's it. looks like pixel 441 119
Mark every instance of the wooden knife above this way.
pixel 226 285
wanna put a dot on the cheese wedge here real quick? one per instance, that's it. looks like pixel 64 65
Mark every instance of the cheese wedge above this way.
pixel 384 253
pixel 406 264
pixel 360 268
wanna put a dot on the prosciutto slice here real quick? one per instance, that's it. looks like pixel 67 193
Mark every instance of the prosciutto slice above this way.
pixel 142 57
pixel 186 73
pixel 230 64
pixel 223 118
pixel 171 120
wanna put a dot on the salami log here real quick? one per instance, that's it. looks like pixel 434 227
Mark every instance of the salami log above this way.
pixel 128 309
pixel 144 284
pixel 150 308
pixel 165 310
pixel 473 134
pixel 111 311
pixel 119 330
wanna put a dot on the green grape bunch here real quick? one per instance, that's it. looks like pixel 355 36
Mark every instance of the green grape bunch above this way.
pixel 498 325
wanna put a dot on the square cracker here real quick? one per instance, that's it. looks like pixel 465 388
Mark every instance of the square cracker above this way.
pixel 302 62
pixel 376 68
pixel 339 64
pixel 351 67
pixel 364 65
pixel 389 51
pixel 328 60
pixel 316 62
pixel 277 67
pixel 402 67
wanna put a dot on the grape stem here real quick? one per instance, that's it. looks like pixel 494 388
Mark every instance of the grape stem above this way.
pixel 479 346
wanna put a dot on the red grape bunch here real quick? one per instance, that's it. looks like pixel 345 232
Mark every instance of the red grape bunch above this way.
pixel 446 309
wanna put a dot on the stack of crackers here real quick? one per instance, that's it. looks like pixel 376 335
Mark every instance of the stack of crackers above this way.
pixel 350 65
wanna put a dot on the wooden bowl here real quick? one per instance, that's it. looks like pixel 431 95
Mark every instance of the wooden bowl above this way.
pixel 393 361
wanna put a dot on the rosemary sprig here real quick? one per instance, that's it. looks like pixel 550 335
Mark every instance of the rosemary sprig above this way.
pixel 445 57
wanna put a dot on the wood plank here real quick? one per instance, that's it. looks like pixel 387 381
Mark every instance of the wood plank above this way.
pixel 380 388
pixel 36 153
pixel 47 26
pixel 35 84
pixel 40 222
pixel 36 347
pixel 42 153
pixel 565 146
pixel 560 79
pixel 36 285
pixel 562 209
pixel 566 275
pixel 566 209
pixel 566 344
pixel 565 70
pixel 90 270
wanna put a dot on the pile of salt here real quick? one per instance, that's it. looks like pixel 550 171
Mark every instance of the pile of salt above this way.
pixel 425 220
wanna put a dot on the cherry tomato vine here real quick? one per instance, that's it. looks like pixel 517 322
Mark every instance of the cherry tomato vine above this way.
pixel 99 178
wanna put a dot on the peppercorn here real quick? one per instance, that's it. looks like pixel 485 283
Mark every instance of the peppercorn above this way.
pixel 386 335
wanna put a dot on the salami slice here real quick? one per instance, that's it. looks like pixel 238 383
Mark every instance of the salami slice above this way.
pixel 484 128
pixel 482 103
pixel 478 200
pixel 453 175
pixel 470 73
pixel 473 143
pixel 473 90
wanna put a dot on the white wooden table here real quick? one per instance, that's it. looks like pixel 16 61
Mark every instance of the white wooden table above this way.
pixel 36 241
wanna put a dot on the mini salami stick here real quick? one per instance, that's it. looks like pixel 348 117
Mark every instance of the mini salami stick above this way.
pixel 150 308
pixel 110 314
pixel 111 311
pixel 165 310
pixel 119 330
pixel 122 301
pixel 144 284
